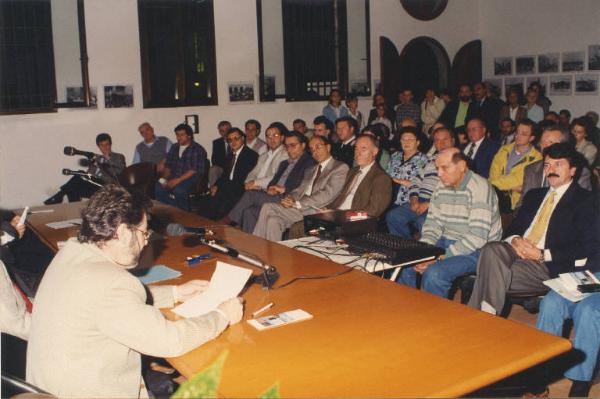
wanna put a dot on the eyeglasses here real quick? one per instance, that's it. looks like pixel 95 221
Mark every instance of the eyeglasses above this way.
pixel 145 233
pixel 234 138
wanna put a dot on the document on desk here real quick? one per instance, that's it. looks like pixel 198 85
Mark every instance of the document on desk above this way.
pixel 64 224
pixel 226 282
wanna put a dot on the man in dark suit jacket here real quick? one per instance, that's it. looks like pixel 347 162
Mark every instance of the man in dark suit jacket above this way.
pixel 227 191
pixel 481 150
pixel 449 115
pixel 488 109
pixel 547 237
pixel 220 152
pixel 343 150
pixel 289 176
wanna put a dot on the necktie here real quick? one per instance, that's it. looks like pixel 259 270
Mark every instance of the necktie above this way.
pixel 471 151
pixel 231 163
pixel 540 224
pixel 227 150
pixel 312 188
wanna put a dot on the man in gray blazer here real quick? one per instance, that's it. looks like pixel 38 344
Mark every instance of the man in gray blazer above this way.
pixel 268 162
pixel 534 173
pixel 321 184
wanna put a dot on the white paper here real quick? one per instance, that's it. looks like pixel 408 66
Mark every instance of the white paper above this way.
pixel 227 282
pixel 64 224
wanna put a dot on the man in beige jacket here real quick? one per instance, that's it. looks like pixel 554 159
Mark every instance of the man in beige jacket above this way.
pixel 91 323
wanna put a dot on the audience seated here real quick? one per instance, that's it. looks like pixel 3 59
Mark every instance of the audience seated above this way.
pixel 534 111
pixel 379 99
pixel 343 150
pixel 299 126
pixel 406 164
pixel 487 108
pixel 253 142
pixel 459 111
pixel 220 152
pixel 534 177
pixel 406 108
pixel 379 132
pixel 552 117
pixel 268 162
pixel 564 118
pixel 352 105
pixel 228 190
pixel 579 129
pixel 546 237
pixel 508 167
pixel 323 127
pixel 91 321
pixel 334 109
pixel 481 149
pixel 555 310
pixel 507 131
pixel 288 176
pixel 321 184
pixel 431 109
pixel 423 185
pixel 152 149
pixel 513 109
pixel 104 168
pixel 381 118
pixel 184 166
pixel 542 100
pixel 463 215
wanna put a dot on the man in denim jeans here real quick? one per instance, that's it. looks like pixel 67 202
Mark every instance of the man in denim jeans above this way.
pixel 463 216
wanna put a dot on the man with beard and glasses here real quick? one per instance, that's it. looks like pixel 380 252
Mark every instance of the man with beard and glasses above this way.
pixel 458 112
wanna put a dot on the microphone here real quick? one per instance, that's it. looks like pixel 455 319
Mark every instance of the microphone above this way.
pixel 269 274
pixel 69 172
pixel 176 230
pixel 71 151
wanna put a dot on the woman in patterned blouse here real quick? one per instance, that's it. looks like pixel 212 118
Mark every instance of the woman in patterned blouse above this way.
pixel 406 164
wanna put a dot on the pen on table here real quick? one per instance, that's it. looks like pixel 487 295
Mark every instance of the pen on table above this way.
pixel 263 309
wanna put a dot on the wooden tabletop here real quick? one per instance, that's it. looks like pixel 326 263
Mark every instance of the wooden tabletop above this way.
pixel 369 337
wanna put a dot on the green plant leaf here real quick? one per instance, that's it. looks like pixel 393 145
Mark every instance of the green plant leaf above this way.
pixel 205 383
pixel 272 392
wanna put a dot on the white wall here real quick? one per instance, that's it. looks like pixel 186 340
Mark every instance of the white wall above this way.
pixel 532 27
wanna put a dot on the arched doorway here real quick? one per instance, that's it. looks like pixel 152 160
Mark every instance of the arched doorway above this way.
pixel 422 63
pixel 466 66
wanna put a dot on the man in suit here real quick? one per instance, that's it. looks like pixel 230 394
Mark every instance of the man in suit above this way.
pixel 184 166
pixel 343 150
pixel 288 176
pixel 220 152
pixel 458 112
pixel 487 108
pixel 227 191
pixel 268 162
pixel 546 237
pixel 91 321
pixel 534 173
pixel 320 185
pixel 104 169
pixel 513 109
pixel 480 149
pixel 252 129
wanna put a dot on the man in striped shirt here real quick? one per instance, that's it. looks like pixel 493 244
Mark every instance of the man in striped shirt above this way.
pixel 415 210
pixel 463 215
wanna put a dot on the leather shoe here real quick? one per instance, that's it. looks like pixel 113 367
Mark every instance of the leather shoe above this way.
pixel 55 199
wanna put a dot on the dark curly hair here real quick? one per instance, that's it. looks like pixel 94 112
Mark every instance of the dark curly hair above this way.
pixel 107 209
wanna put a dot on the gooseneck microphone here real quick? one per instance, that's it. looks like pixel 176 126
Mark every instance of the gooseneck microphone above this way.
pixel 72 151
pixel 69 172
pixel 176 230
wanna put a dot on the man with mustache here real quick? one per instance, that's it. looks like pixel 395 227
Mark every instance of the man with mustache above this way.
pixel 459 111
pixel 549 235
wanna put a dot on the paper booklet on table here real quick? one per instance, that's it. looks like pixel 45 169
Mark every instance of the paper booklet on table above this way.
pixel 566 284
pixel 226 282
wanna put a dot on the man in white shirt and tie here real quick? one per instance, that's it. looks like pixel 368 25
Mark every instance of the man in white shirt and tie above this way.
pixel 480 149
pixel 547 236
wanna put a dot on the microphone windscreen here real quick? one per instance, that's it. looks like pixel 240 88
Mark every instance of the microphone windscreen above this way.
pixel 66 172
pixel 175 230
pixel 69 150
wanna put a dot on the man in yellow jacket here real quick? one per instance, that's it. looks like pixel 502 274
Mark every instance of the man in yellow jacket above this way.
pixel 508 165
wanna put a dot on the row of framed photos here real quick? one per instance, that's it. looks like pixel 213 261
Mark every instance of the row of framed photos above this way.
pixel 554 85
pixel 570 61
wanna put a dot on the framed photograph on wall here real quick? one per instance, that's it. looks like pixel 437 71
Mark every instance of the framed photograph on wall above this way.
pixel 241 92
pixel 494 86
pixel 525 64
pixel 548 63
pixel 118 96
pixel 573 61
pixel 542 80
pixel 192 121
pixel 586 84
pixel 502 66
pixel 594 57
pixel 561 85
pixel 75 96
pixel 514 83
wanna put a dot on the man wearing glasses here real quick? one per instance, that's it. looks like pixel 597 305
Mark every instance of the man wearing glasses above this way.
pixel 228 190
pixel 184 166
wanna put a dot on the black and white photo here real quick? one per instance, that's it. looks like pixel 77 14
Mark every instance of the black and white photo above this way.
pixel 548 63
pixel 268 93
pixel 514 83
pixel 586 84
pixel 561 85
pixel 359 88
pixel 241 92
pixel 572 61
pixel 594 57
pixel 542 80
pixel 75 96
pixel 118 96
pixel 502 66
pixel 525 64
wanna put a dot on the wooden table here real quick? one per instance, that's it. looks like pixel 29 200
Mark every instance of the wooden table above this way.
pixel 369 337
